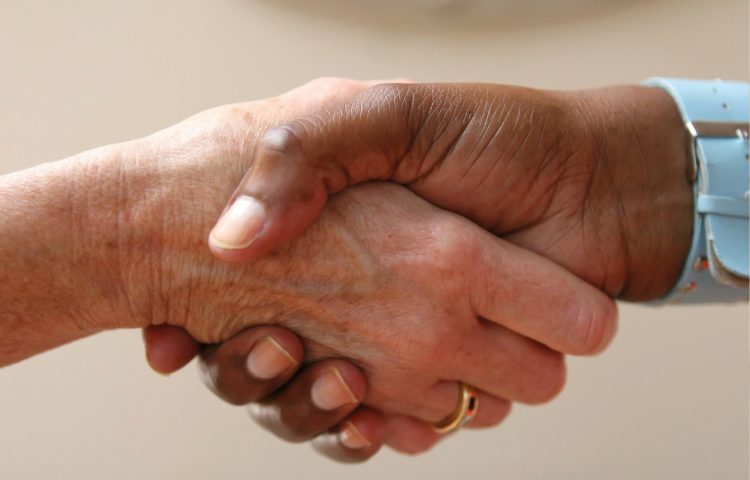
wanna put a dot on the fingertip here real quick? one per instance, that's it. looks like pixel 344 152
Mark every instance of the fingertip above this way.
pixel 286 339
pixel 593 324
pixel 369 425
pixel 285 217
pixel 317 399
pixel 237 229
pixel 358 438
pixel 610 317
pixel 337 385
pixel 268 360
pixel 168 348
pixel 353 377
pixel 549 379
pixel 252 364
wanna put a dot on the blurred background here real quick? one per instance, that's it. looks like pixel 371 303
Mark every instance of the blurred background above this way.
pixel 668 400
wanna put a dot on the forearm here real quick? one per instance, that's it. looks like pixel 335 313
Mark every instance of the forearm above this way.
pixel 116 238
pixel 55 286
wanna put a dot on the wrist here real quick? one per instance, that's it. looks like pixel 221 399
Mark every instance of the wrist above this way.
pixel 167 189
pixel 103 224
pixel 148 211
pixel 131 216
pixel 53 288
pixel 643 184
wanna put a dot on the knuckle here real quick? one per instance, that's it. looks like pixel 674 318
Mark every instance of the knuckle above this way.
pixel 451 255
pixel 283 139
pixel 454 245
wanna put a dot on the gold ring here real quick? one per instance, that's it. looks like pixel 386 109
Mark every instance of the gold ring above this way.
pixel 465 411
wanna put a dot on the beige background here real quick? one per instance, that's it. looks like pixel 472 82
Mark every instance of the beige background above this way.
pixel 668 400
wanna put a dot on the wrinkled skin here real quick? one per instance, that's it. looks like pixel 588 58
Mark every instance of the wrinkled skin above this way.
pixel 595 180
pixel 128 238
pixel 551 155
pixel 547 161
pixel 378 267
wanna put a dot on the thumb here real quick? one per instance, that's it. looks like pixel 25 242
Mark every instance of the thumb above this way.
pixel 297 165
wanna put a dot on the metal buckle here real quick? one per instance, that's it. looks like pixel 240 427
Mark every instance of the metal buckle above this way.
pixel 718 129
pixel 707 129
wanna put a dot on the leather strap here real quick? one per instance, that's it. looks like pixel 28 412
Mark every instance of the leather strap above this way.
pixel 716 113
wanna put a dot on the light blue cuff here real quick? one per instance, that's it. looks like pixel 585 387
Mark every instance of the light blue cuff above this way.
pixel 716 114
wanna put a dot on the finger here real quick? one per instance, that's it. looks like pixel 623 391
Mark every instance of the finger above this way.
pixel 490 410
pixel 252 364
pixel 315 400
pixel 356 439
pixel 297 165
pixel 168 348
pixel 494 412
pixel 508 365
pixel 537 298
pixel 410 435
pixel 438 402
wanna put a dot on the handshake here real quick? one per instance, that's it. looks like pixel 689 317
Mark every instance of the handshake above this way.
pixel 399 259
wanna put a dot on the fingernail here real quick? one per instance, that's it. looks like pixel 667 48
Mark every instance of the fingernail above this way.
pixel 268 359
pixel 240 224
pixel 330 391
pixel 352 438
